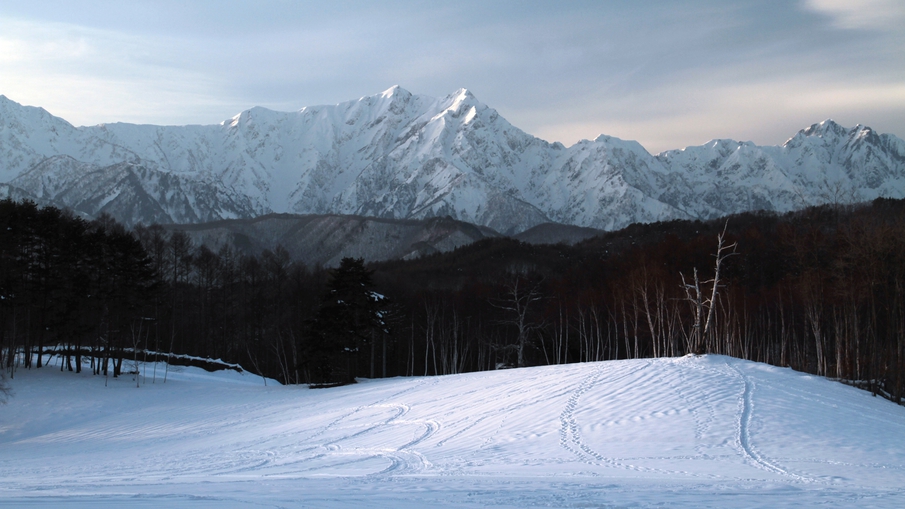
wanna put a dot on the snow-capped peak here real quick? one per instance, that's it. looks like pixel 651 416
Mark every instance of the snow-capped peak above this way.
pixel 390 92
pixel 462 94
pixel 825 128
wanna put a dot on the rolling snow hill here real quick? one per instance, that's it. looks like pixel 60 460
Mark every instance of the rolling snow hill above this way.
pixel 405 156
pixel 707 431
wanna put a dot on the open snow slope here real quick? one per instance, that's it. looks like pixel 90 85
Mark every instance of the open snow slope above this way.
pixel 706 431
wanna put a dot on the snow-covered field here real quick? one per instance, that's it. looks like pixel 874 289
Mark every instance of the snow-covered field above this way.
pixel 706 431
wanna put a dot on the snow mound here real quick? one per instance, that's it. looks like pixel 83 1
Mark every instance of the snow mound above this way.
pixel 707 431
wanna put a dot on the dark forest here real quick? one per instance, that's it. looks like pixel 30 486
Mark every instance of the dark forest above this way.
pixel 821 290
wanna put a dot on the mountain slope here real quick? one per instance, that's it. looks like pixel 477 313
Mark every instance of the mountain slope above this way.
pixel 405 156
pixel 326 239
pixel 707 431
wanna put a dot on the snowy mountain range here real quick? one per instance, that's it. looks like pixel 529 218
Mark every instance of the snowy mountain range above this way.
pixel 404 156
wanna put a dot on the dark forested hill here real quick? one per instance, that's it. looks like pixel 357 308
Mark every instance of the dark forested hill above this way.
pixel 821 290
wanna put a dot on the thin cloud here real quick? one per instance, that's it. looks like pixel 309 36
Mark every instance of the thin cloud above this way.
pixel 862 14
pixel 89 76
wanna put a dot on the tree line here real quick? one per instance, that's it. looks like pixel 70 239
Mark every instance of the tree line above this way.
pixel 820 290
pixel 67 282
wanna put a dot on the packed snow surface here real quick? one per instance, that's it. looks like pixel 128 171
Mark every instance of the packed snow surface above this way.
pixel 707 431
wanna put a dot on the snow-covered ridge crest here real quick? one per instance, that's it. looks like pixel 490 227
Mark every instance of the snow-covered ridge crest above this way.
pixel 407 156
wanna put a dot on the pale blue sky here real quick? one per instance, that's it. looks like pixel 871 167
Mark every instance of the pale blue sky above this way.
pixel 668 74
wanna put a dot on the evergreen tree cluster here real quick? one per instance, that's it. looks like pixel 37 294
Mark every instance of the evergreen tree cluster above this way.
pixel 69 286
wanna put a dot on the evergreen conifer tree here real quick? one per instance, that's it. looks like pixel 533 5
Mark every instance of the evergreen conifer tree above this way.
pixel 349 319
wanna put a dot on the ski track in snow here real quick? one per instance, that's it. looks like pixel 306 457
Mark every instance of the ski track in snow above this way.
pixel 403 458
pixel 743 441
pixel 702 423
pixel 618 382
pixel 342 448
pixel 570 431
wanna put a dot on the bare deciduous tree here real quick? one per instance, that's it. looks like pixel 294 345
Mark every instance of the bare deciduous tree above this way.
pixel 5 391
pixel 520 294
pixel 702 305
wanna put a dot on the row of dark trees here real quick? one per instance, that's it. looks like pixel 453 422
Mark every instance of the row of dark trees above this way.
pixel 67 282
pixel 94 292
pixel 821 290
